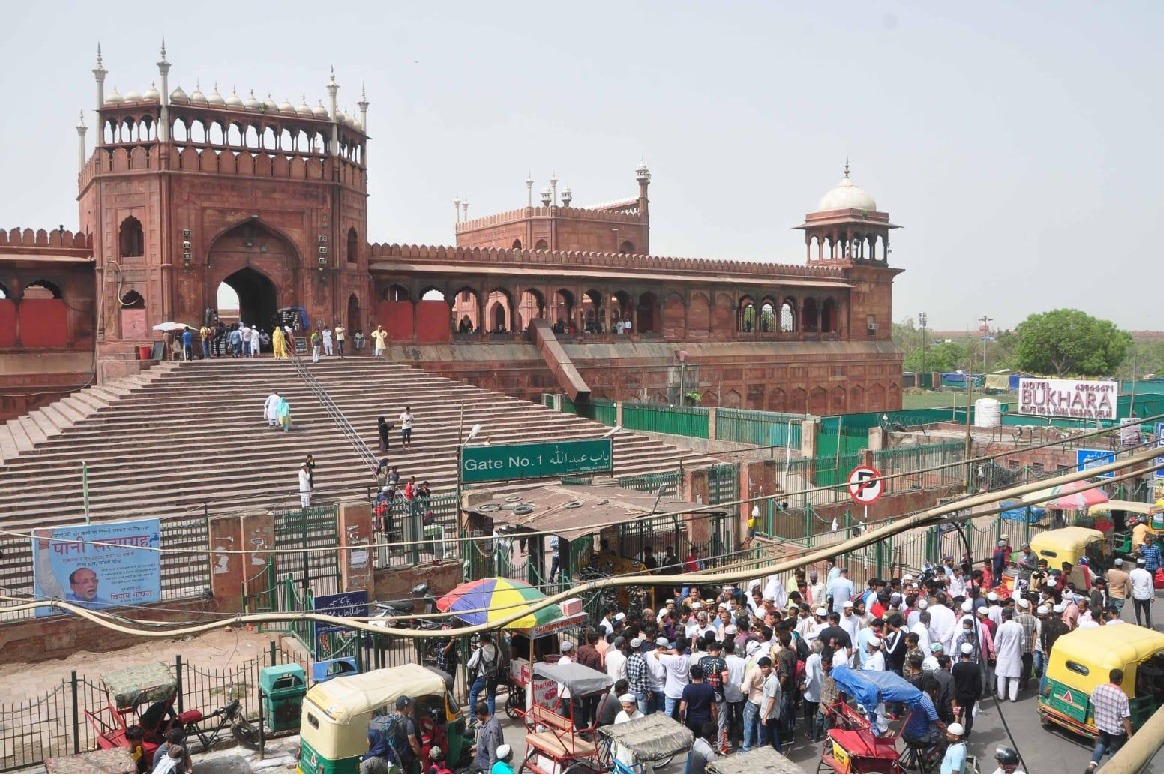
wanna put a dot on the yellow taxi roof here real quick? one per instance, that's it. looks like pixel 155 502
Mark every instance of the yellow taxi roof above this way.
pixel 1108 646
pixel 345 697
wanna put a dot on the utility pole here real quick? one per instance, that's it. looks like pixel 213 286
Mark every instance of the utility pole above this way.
pixel 984 335
pixel 922 319
pixel 969 439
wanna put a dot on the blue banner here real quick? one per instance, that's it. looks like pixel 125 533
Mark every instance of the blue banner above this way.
pixel 340 605
pixel 1089 459
pixel 98 565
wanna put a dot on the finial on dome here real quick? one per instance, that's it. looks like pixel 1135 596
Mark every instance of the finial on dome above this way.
pixel 163 48
pixel 81 120
pixel 846 166
pixel 333 74
pixel 98 54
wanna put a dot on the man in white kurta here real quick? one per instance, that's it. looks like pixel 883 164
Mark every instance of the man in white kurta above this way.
pixel 270 409
pixel 1008 650
pixel 942 626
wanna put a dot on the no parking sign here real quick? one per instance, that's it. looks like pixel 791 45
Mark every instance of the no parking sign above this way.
pixel 865 485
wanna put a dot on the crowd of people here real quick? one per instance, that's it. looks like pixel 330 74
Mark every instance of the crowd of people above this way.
pixel 242 340
pixel 750 666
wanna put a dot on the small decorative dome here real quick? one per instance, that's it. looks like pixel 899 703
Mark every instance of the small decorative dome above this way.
pixel 344 118
pixel 215 98
pixel 319 111
pixel 287 107
pixel 179 96
pixel 114 98
pixel 269 104
pixel 251 102
pixel 196 96
pixel 846 195
pixel 234 101
pixel 151 94
pixel 132 96
pixel 303 109
pixel 359 125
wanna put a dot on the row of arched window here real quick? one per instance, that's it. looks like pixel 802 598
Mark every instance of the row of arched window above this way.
pixel 785 316
pixel 256 137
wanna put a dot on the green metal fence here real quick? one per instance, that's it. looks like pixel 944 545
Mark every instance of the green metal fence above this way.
pixel 650 483
pixel 684 421
pixel 767 429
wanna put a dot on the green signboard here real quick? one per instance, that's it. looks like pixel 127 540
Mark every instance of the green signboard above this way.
pixel 532 460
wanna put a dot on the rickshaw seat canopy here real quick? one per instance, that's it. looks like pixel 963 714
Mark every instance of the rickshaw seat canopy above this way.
pixel 763 759
pixel 1098 650
pixel 872 687
pixel 346 697
pixel 136 685
pixel 652 737
pixel 578 679
pixel 1132 507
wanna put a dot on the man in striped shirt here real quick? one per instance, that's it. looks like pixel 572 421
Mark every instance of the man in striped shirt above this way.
pixel 638 675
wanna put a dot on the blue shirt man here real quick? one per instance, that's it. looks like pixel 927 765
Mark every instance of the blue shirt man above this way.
pixel 922 719
pixel 1151 554
pixel 841 589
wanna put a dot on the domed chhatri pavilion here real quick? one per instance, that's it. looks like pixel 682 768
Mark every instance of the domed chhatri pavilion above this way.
pixel 183 191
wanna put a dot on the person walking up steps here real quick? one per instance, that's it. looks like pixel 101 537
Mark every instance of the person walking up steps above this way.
pixel 406 419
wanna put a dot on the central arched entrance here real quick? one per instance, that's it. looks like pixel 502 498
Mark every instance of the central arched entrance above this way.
pixel 256 299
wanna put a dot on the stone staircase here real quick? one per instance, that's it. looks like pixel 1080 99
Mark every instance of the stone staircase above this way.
pixel 184 438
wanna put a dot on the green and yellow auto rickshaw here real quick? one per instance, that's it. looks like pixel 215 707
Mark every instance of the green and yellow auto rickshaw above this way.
pixel 336 714
pixel 1081 660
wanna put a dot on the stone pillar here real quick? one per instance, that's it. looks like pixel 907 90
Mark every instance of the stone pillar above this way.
pixel 694 486
pixel 226 570
pixel 618 414
pixel 808 430
pixel 711 419
pixel 355 531
pixel 258 539
pixel 876 438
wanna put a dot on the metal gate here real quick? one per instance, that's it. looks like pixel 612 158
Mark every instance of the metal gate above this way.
pixel 723 483
pixel 297 532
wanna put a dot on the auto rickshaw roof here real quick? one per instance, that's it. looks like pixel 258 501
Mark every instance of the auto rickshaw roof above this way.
pixel 571 511
pixel 344 697
pixel 1135 507
pixel 1063 538
pixel 140 684
pixel 1107 647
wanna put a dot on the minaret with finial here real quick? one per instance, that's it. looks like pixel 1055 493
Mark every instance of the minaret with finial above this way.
pixel 457 209
pixel 554 189
pixel 99 73
pixel 333 90
pixel 81 130
pixel 465 209
pixel 363 105
pixel 529 189
pixel 164 120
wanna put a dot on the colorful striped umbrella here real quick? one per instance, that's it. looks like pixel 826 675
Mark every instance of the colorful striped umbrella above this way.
pixel 1046 494
pixel 484 601
pixel 1080 501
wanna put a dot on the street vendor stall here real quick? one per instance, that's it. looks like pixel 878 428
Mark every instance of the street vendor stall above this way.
pixel 522 642
pixel 601 530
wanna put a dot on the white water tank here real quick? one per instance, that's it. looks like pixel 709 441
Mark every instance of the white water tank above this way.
pixel 987 413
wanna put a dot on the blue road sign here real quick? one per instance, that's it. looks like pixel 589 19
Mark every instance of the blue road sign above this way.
pixel 1089 459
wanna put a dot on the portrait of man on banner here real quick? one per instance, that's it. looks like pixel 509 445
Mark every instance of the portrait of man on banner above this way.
pixel 98 566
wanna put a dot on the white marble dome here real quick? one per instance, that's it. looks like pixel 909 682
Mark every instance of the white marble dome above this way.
pixel 319 111
pixel 303 108
pixel 287 108
pixel 178 95
pixel 252 102
pixel 846 195
pixel 132 96
pixel 151 94
pixel 196 96
pixel 234 101
pixel 215 98
pixel 114 97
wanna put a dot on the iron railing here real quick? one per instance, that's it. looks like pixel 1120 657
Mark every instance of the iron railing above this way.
pixel 337 417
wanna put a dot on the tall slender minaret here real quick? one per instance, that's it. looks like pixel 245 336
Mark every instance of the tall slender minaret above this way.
pixel 99 73
pixel 529 189
pixel 164 120
pixel 81 130
pixel 333 90
pixel 363 103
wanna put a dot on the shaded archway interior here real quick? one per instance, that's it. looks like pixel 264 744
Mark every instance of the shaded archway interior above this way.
pixel 258 298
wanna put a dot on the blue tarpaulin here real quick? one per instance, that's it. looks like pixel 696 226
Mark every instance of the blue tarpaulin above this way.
pixel 1017 512
pixel 872 687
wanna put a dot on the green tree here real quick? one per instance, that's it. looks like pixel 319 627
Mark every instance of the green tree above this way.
pixel 1146 356
pixel 1070 343
pixel 941 356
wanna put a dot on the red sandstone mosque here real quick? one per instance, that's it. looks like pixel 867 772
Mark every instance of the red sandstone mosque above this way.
pixel 181 192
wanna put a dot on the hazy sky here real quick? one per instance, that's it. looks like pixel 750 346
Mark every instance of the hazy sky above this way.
pixel 1016 143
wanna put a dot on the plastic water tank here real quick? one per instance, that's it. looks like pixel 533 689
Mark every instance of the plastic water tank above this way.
pixel 987 413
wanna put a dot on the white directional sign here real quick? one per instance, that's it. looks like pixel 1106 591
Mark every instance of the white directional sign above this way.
pixel 865 484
